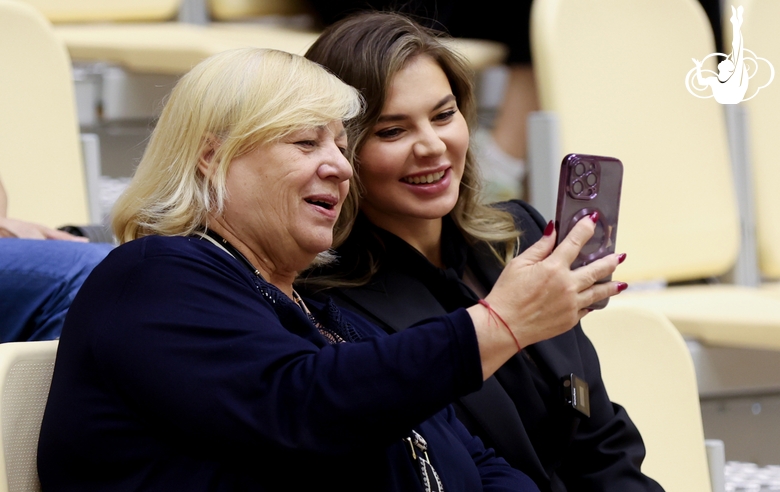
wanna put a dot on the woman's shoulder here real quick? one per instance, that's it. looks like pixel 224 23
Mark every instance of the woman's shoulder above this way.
pixel 160 272
pixel 527 219
pixel 188 258
pixel 525 215
pixel 183 247
pixel 149 246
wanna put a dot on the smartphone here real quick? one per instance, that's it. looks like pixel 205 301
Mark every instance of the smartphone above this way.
pixel 588 184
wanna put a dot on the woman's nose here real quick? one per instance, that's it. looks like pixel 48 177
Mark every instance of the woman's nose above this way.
pixel 429 144
pixel 335 165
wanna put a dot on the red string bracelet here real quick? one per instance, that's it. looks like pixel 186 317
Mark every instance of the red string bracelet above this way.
pixel 493 312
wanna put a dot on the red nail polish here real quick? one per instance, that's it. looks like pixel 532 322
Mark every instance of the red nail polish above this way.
pixel 621 286
pixel 549 229
pixel 621 258
pixel 594 216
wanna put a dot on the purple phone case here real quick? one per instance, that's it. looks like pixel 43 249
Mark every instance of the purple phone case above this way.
pixel 587 184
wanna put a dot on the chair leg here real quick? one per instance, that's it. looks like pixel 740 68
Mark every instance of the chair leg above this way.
pixel 716 458
pixel 746 270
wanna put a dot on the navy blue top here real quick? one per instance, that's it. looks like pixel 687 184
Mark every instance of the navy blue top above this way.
pixel 520 411
pixel 178 369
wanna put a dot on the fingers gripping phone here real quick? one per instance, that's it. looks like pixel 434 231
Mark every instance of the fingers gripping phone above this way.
pixel 589 184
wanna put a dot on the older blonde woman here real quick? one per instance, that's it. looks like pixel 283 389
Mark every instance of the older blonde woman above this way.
pixel 188 362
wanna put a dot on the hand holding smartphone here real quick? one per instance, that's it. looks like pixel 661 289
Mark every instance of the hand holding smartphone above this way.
pixel 589 184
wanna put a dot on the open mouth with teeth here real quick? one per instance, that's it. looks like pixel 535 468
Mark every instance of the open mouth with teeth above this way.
pixel 424 179
pixel 320 203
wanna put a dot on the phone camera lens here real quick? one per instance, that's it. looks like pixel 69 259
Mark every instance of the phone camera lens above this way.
pixel 577 187
pixel 591 179
pixel 579 169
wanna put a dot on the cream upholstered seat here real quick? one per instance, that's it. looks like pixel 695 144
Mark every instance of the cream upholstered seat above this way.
pixel 614 74
pixel 759 32
pixel 41 168
pixel 171 47
pixel 152 44
pixel 648 370
pixel 238 10
pixel 144 37
pixel 155 42
pixel 60 11
pixel 480 53
pixel 25 377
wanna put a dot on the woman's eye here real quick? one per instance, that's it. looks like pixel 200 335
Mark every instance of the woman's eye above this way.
pixel 445 115
pixel 388 133
pixel 306 143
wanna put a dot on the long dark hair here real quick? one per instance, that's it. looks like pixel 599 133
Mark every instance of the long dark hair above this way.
pixel 366 50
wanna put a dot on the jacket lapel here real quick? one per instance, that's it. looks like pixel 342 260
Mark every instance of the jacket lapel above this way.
pixel 388 290
pixel 491 407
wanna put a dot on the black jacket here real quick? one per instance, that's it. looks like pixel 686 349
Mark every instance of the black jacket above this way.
pixel 520 411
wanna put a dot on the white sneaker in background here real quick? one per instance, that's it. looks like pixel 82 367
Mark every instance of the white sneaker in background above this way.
pixel 502 174
pixel 110 189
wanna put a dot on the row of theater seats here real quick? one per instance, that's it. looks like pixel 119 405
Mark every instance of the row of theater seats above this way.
pixel 612 74
pixel 144 39
pixel 611 78
pixel 153 43
pixel 614 82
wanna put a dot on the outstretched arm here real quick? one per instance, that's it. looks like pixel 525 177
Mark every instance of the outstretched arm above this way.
pixel 3 201
pixel 27 230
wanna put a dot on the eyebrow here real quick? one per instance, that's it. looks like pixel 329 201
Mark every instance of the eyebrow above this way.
pixel 398 117
pixel 324 128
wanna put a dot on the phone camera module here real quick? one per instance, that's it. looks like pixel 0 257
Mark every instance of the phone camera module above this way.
pixel 584 180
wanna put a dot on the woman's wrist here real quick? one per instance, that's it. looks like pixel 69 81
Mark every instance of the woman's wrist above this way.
pixel 493 315
pixel 496 344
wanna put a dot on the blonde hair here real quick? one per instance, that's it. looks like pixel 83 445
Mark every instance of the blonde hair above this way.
pixel 366 50
pixel 229 103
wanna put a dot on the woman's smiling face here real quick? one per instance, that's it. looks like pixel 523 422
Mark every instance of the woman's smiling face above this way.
pixel 285 196
pixel 412 162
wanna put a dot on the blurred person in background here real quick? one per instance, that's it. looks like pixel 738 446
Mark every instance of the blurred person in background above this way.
pixel 41 270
